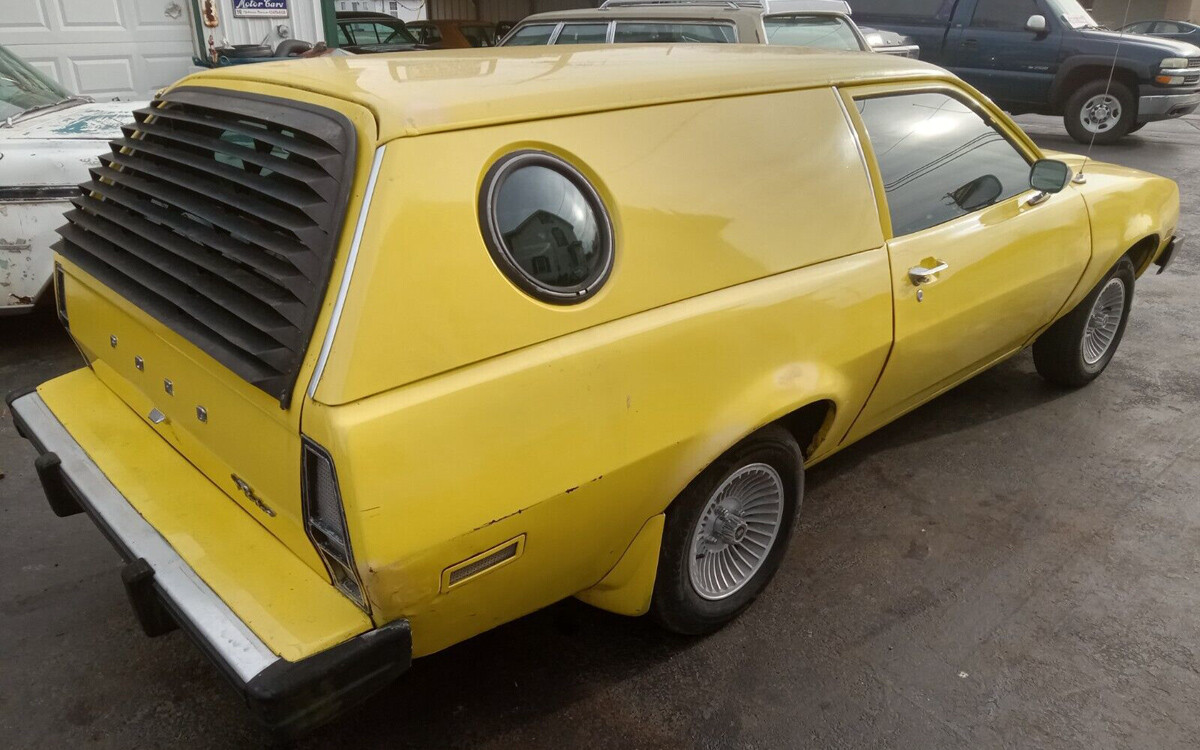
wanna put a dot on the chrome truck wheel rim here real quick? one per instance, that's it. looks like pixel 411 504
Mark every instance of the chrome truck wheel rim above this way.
pixel 1101 113
pixel 736 531
pixel 1103 321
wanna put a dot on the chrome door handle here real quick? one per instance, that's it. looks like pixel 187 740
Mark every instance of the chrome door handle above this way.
pixel 921 275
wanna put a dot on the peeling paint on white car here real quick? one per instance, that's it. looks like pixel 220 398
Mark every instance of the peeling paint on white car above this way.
pixel 44 156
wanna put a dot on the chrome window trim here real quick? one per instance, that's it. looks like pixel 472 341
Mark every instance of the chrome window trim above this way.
pixel 862 153
pixel 230 639
pixel 347 274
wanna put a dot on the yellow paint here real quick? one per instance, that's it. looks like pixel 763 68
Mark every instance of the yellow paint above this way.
pixel 754 275
pixel 627 589
pixel 292 609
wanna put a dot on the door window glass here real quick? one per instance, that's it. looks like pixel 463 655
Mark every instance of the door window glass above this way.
pixel 939 159
pixel 1139 28
pixel 1009 15
pixel 527 36
pixel 583 33
pixel 1168 27
pixel 824 32
pixel 671 33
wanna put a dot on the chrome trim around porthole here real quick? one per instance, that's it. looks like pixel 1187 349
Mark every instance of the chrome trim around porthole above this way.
pixel 501 254
pixel 347 275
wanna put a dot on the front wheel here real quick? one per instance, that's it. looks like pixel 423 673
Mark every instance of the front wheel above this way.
pixel 1076 349
pixel 726 533
pixel 1102 111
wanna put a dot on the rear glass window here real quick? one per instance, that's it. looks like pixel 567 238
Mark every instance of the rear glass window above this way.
pixel 531 35
pixel 583 33
pixel 685 33
pixel 824 32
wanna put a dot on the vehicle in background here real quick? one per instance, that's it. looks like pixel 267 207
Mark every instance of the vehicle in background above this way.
pixel 822 24
pixel 1050 57
pixel 1181 31
pixel 48 139
pixel 362 32
pixel 450 34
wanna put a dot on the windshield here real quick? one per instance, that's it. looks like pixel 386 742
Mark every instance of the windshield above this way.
pixel 22 87
pixel 825 32
pixel 1074 15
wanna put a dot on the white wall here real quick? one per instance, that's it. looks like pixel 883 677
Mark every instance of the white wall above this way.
pixel 405 10
pixel 303 22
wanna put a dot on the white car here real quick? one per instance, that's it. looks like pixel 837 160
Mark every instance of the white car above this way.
pixel 48 140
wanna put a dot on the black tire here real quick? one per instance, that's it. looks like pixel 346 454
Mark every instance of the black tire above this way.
pixel 1137 127
pixel 676 604
pixel 1059 353
pixel 1074 112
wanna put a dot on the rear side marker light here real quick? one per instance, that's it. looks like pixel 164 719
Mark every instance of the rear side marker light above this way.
pixel 483 562
pixel 60 294
pixel 325 520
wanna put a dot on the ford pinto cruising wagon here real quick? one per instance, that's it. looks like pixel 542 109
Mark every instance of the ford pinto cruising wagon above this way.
pixel 335 417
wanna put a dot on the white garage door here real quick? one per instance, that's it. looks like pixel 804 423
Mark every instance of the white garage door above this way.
pixel 106 49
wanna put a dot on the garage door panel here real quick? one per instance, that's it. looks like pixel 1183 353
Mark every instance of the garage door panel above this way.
pixel 102 48
pixel 29 15
pixel 91 14
pixel 102 77
pixel 159 14
pixel 48 66
pixel 165 69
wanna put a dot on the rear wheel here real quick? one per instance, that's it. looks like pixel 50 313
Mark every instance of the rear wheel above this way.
pixel 1076 349
pixel 726 533
pixel 1100 110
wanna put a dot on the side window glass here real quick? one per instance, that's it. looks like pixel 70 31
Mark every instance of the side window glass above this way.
pixel 674 33
pixel 583 33
pixel 527 36
pixel 343 37
pixel 939 159
pixel 1006 15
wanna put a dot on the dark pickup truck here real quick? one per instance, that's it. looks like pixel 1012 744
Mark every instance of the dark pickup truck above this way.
pixel 1050 57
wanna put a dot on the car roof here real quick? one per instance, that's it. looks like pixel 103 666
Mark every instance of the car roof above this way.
pixel 455 89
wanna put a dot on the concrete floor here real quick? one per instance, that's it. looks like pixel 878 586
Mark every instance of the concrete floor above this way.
pixel 1010 566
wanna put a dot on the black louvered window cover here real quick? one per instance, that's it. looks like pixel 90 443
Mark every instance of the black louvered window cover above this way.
pixel 218 213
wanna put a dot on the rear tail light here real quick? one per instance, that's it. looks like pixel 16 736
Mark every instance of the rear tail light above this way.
pixel 325 521
pixel 60 294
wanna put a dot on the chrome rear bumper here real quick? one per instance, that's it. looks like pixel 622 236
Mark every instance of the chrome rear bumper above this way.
pixel 288 697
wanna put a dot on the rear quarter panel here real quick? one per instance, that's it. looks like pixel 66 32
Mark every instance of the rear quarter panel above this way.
pixel 462 413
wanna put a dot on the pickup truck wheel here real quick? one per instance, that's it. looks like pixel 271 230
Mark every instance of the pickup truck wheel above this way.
pixel 726 533
pixel 1101 110
pixel 1077 348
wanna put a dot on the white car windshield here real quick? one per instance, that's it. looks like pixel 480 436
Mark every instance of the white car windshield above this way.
pixel 1074 15
pixel 23 88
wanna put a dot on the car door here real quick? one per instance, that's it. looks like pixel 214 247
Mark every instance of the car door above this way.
pixel 997 54
pixel 980 262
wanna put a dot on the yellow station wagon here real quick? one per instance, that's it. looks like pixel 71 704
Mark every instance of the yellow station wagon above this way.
pixel 383 352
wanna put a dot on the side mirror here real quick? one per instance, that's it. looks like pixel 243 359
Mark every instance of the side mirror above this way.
pixel 1036 24
pixel 1049 175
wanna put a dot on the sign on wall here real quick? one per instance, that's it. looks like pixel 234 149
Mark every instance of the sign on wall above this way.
pixel 260 8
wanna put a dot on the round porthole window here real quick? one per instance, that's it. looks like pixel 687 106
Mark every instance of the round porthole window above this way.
pixel 546 227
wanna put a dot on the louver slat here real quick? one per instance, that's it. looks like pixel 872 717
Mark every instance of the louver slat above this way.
pixel 219 214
